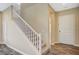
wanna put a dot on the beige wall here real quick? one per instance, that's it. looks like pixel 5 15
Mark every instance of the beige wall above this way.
pixel 54 23
pixel 1 37
pixel 14 37
pixel 75 12
pixel 37 16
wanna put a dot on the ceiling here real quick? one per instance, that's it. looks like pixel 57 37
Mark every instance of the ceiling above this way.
pixel 63 6
pixel 3 6
pixel 56 6
pixel 28 4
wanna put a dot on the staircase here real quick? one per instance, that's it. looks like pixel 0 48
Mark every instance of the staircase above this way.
pixel 33 37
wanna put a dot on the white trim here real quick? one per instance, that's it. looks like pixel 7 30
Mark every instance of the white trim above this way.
pixel 43 51
pixel 70 44
pixel 16 49
pixel 76 45
pixel 54 43
pixel 25 22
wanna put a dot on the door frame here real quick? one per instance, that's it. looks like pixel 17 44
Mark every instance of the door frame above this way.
pixel 54 32
pixel 49 26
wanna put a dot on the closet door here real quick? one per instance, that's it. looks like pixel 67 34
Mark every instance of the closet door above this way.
pixel 67 29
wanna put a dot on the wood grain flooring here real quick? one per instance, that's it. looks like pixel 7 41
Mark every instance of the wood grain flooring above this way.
pixel 63 49
pixel 5 50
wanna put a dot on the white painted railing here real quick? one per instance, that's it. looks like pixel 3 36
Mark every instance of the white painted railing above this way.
pixel 33 36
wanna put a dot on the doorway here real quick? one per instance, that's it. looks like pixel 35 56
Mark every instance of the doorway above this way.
pixel 53 31
pixel 67 29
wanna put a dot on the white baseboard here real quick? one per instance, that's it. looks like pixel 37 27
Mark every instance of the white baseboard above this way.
pixel 16 50
pixel 71 44
pixel 54 43
pixel 76 45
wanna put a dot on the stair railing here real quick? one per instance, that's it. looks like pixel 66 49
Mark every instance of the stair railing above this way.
pixel 32 35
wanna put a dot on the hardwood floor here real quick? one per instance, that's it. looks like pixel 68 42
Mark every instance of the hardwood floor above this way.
pixel 4 50
pixel 57 49
pixel 63 49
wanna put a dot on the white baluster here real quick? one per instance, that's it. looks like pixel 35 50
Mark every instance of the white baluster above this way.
pixel 32 35
pixel 39 43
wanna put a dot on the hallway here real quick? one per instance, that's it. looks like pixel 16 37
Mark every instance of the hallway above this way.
pixel 63 49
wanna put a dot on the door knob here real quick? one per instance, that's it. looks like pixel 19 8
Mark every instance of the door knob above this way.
pixel 59 31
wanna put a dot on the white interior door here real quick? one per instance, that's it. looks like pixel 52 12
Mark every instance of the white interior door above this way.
pixel 67 29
